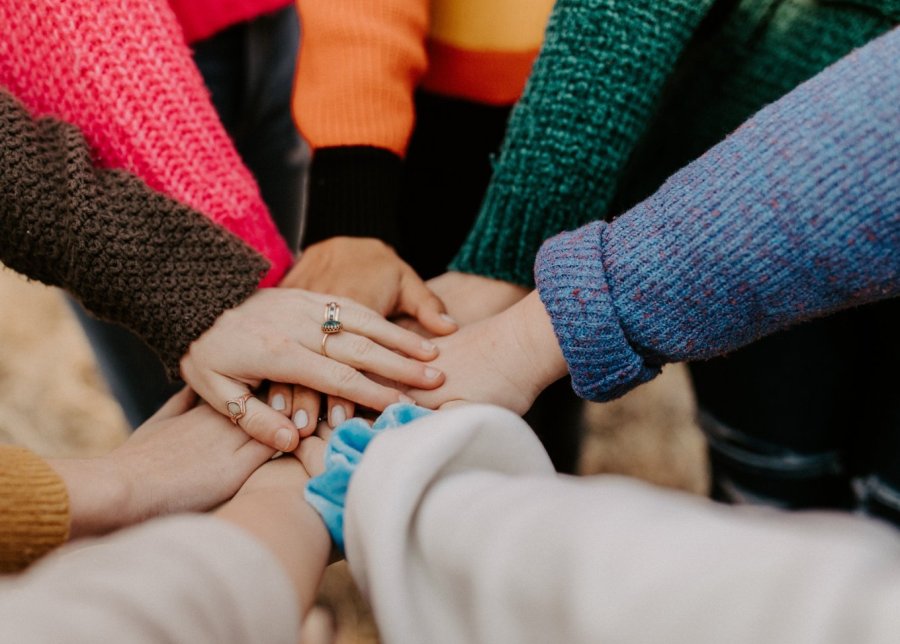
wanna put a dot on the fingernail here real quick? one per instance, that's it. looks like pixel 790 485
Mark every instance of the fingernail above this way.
pixel 429 346
pixel 283 439
pixel 406 399
pixel 278 403
pixel 431 374
pixel 447 318
pixel 338 415
pixel 301 419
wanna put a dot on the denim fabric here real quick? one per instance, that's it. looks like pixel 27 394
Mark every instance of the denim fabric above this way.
pixel 249 70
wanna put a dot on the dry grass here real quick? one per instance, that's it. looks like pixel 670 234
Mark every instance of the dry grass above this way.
pixel 53 401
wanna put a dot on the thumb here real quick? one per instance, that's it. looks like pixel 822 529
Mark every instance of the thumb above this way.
pixel 419 302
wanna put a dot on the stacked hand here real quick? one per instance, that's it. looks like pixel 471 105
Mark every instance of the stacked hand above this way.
pixel 277 335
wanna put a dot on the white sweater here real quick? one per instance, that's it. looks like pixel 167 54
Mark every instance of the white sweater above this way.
pixel 458 531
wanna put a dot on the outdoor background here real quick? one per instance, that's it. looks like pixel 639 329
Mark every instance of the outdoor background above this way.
pixel 53 401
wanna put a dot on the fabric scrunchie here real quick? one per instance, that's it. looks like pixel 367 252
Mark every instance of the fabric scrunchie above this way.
pixel 327 492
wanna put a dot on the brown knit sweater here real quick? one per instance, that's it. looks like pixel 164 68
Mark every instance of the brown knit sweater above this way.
pixel 131 255
pixel 34 508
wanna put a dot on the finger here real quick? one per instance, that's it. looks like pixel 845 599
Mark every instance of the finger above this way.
pixel 339 410
pixel 281 398
pixel 306 409
pixel 299 365
pixel 178 404
pixel 417 300
pixel 365 355
pixel 259 420
pixel 311 453
pixel 364 321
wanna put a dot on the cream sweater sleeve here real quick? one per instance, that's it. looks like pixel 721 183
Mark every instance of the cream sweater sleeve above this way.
pixel 458 531
pixel 191 579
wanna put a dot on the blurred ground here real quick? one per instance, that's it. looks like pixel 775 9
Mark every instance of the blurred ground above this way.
pixel 53 401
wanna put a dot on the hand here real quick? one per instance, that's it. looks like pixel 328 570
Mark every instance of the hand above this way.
pixel 276 335
pixel 180 460
pixel 368 271
pixel 386 284
pixel 470 298
pixel 506 360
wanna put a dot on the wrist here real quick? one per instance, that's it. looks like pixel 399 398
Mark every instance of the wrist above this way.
pixel 99 495
pixel 534 332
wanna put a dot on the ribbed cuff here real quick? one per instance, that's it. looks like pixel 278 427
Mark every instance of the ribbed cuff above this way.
pixel 354 192
pixel 34 506
pixel 572 284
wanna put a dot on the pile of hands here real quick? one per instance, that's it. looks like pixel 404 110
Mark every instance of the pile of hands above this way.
pixel 458 338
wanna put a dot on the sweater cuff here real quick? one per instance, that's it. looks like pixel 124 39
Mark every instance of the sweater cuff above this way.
pixel 570 273
pixel 354 192
pixel 34 506
pixel 327 492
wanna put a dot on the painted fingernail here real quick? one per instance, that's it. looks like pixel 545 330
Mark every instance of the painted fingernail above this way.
pixel 301 419
pixel 406 399
pixel 447 318
pixel 278 403
pixel 338 415
pixel 283 439
pixel 431 374
pixel 429 346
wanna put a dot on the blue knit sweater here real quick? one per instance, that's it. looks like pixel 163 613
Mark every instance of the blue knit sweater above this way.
pixel 796 215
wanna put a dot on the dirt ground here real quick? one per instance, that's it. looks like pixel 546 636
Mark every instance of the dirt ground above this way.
pixel 52 400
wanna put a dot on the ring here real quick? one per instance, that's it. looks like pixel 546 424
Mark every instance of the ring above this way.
pixel 332 323
pixel 324 340
pixel 237 407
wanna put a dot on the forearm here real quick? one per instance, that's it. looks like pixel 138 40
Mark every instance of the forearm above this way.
pixel 358 67
pixel 129 254
pixel 591 94
pixel 183 579
pixel 143 108
pixel 796 215
pixel 297 538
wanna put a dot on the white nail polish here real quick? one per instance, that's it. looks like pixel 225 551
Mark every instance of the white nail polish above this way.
pixel 283 439
pixel 447 318
pixel 278 403
pixel 338 415
pixel 301 419
pixel 431 374
pixel 429 346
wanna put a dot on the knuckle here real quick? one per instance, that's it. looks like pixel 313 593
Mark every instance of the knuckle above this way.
pixel 343 376
pixel 362 347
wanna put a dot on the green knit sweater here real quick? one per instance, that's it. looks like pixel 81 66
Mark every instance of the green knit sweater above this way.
pixel 626 91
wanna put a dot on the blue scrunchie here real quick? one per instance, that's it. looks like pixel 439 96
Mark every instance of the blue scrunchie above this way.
pixel 327 492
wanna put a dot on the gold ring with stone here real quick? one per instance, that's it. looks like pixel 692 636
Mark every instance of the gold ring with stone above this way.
pixel 332 323
pixel 237 407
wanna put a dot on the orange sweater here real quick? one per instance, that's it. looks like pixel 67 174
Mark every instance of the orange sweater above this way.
pixel 361 61
pixel 34 508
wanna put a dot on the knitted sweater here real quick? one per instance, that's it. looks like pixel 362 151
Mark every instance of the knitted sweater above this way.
pixel 360 64
pixel 119 71
pixel 129 254
pixel 794 216
pixel 202 18
pixel 34 508
pixel 604 74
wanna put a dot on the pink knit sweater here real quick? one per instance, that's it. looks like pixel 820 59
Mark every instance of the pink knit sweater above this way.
pixel 121 72
pixel 202 18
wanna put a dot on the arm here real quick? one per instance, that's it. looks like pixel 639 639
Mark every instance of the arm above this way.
pixel 457 529
pixel 180 460
pixel 794 216
pixel 591 94
pixel 236 577
pixel 120 72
